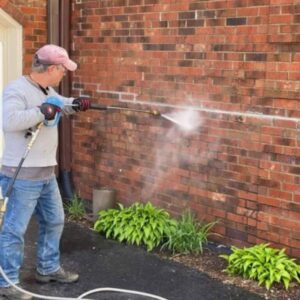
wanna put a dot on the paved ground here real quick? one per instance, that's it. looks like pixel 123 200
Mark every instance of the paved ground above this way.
pixel 106 263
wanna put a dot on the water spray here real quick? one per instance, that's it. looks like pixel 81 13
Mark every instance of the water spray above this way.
pixel 188 120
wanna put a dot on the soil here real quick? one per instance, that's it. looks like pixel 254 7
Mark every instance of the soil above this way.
pixel 212 264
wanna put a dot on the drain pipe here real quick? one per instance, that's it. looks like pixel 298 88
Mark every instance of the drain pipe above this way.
pixel 59 34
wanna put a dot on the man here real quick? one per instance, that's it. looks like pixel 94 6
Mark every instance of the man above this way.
pixel 35 191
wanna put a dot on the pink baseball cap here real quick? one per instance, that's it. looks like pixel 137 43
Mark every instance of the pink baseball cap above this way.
pixel 55 55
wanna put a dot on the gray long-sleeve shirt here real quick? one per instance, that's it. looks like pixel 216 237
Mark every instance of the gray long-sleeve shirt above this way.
pixel 21 99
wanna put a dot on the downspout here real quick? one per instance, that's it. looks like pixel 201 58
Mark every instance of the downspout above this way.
pixel 59 33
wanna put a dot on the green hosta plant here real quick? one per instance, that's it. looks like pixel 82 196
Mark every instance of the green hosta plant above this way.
pixel 263 264
pixel 75 208
pixel 188 236
pixel 138 224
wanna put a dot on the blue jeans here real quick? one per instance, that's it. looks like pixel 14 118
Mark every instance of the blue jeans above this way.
pixel 43 198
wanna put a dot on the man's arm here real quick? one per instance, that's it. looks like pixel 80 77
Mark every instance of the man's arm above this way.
pixel 16 116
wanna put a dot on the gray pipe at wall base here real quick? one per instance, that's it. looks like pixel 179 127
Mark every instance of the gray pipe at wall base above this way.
pixel 103 198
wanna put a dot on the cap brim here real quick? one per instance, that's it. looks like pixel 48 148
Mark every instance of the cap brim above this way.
pixel 70 65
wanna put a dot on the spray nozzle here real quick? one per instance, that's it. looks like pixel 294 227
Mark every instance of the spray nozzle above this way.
pixel 2 211
pixel 155 113
pixel 3 203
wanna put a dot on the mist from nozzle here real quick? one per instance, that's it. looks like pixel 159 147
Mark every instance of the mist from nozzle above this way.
pixel 188 120
pixel 171 150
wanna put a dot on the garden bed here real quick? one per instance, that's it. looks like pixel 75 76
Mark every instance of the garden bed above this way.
pixel 210 263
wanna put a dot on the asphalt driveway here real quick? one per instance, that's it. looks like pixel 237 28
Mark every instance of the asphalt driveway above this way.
pixel 107 263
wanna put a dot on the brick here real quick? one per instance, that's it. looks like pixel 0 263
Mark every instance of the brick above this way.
pixel 198 5
pixel 186 31
pixel 281 19
pixel 236 21
pixel 280 194
pixel 187 15
pixel 236 234
pixel 256 57
pixel 262 226
pixel 269 201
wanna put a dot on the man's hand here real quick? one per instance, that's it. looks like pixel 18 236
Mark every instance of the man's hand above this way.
pixel 81 104
pixel 49 110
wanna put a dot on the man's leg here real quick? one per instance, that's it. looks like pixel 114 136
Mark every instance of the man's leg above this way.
pixel 19 210
pixel 50 214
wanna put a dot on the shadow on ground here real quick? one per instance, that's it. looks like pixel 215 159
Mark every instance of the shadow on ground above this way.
pixel 107 263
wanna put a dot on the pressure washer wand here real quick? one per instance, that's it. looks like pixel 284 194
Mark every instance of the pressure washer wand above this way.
pixel 103 107
pixel 97 106
pixel 3 202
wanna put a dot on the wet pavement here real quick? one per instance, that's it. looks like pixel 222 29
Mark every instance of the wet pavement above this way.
pixel 107 263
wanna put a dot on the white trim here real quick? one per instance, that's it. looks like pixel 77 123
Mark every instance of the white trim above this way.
pixel 11 57
pixel 1 89
pixel 12 38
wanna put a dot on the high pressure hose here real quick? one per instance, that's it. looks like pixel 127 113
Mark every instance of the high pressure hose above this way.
pixel 34 135
pixel 90 292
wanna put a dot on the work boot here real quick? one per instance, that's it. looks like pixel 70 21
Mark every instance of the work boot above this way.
pixel 61 276
pixel 11 293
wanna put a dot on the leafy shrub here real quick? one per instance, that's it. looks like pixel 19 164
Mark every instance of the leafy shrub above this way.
pixel 138 224
pixel 263 264
pixel 75 208
pixel 188 236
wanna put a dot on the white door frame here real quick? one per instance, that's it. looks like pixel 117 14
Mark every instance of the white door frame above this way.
pixel 11 56
pixel 11 37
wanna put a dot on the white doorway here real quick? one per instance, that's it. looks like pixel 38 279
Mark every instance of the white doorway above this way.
pixel 11 56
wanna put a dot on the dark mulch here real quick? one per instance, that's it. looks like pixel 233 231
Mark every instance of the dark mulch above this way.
pixel 210 263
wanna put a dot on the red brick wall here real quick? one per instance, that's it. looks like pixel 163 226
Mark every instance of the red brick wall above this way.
pixel 32 16
pixel 239 56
